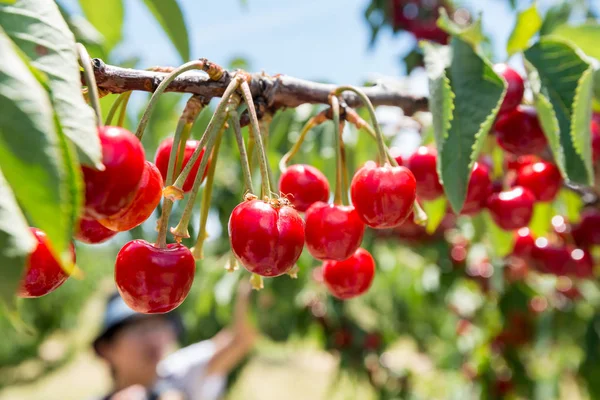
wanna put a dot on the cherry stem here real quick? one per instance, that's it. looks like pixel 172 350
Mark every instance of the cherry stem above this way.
pixel 196 64
pixel 419 215
pixel 264 125
pixel 90 81
pixel 255 132
pixel 115 106
pixel 247 174
pixel 369 129
pixel 335 109
pixel 216 122
pixel 345 182
pixel 181 151
pixel 367 102
pixel 198 249
pixel 163 222
pixel 123 112
pixel 310 124
pixel 256 281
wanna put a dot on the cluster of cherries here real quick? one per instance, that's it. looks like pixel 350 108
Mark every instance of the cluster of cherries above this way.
pixel 419 17
pixel 118 198
pixel 268 236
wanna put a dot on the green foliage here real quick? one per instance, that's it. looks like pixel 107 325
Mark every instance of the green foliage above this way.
pixel 528 24
pixel 169 16
pixel 566 82
pixel 108 19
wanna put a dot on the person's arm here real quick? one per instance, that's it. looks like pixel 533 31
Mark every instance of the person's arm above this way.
pixel 235 342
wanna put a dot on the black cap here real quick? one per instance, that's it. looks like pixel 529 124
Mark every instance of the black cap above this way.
pixel 118 314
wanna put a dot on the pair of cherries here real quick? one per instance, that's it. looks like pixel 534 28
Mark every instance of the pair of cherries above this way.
pixel 268 237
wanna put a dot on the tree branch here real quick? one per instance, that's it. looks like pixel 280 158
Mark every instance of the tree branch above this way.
pixel 276 92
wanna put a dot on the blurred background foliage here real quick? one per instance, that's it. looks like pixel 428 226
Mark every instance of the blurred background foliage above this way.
pixel 439 308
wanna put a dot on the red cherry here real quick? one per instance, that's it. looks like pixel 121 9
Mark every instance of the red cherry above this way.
pixel 595 129
pixel 479 189
pixel 519 131
pixel 515 163
pixel 383 196
pixel 511 209
pixel 397 154
pixel 423 165
pixel 349 278
pixel 91 231
pixel 515 88
pixel 333 232
pixel 372 341
pixel 587 231
pixel 151 279
pixel 342 338
pixel 43 273
pixel 266 239
pixel 524 243
pixel 562 260
pixel 542 178
pixel 163 152
pixel 582 265
pixel 303 185
pixel 145 201
pixel 108 192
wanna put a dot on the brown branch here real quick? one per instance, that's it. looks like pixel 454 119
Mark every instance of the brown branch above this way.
pixel 276 92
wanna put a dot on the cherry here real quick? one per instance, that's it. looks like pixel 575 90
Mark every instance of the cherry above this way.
pixel 518 330
pixel 478 190
pixel 43 273
pixel 562 260
pixel 372 341
pixel 163 152
pixel 515 163
pixel 419 17
pixel 303 185
pixel 582 265
pixel 151 279
pixel 143 204
pixel 333 232
pixel 108 192
pixel 587 231
pixel 91 231
pixel 511 209
pixel 397 154
pixel 524 243
pixel 595 129
pixel 266 238
pixel 383 196
pixel 423 165
pixel 349 278
pixel 514 90
pixel 542 178
pixel 519 131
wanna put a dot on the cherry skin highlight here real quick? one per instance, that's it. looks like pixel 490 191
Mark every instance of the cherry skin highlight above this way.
pixel 151 279
pixel 266 238
pixel 91 231
pixel 43 273
pixel 511 209
pixel 143 204
pixel 108 192
pixel 163 152
pixel 524 243
pixel 519 132
pixel 349 278
pixel 423 165
pixel 514 90
pixel 333 232
pixel 303 185
pixel 383 196
pixel 542 178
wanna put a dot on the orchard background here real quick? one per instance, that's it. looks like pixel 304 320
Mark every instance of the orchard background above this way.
pixel 463 307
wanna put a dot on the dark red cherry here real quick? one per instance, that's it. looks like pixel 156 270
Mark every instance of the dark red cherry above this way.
pixel 151 279
pixel 519 131
pixel 542 178
pixel 372 341
pixel 43 273
pixel 582 264
pixel 91 231
pixel 479 189
pixel 595 129
pixel 333 232
pixel 383 196
pixel 515 88
pixel 163 152
pixel 587 231
pixel 108 192
pixel 266 238
pixel 524 243
pixel 515 163
pixel 349 278
pixel 397 154
pixel 423 165
pixel 303 185
pixel 511 209
pixel 145 201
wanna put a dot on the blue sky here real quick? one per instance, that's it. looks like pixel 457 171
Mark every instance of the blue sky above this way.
pixel 312 39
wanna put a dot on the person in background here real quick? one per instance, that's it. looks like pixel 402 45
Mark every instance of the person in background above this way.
pixel 139 351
